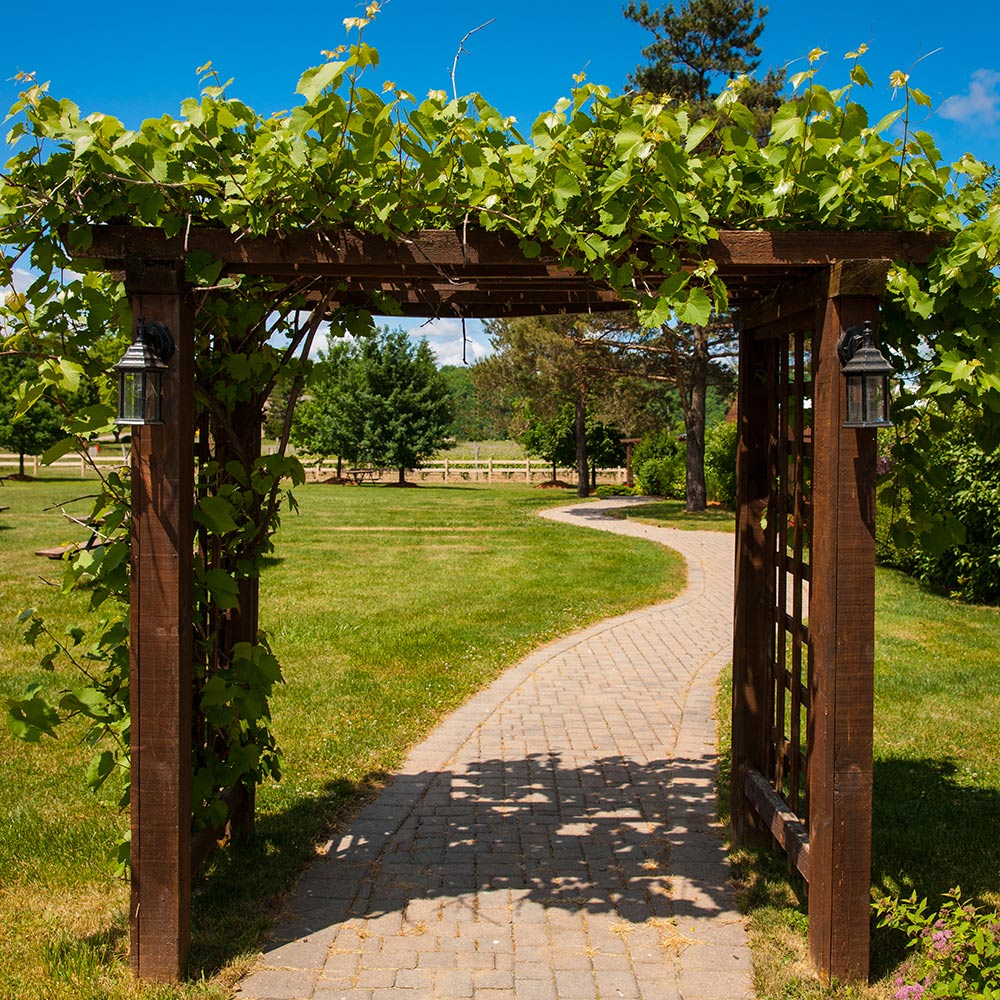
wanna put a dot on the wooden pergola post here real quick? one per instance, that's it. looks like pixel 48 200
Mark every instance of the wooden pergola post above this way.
pixel 842 627
pixel 162 641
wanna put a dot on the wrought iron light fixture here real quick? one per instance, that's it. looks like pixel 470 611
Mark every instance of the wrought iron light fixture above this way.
pixel 867 373
pixel 140 375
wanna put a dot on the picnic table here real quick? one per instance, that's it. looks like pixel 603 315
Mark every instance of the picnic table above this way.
pixel 360 475
pixel 94 541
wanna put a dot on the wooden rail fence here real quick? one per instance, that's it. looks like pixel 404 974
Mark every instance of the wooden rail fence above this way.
pixel 483 470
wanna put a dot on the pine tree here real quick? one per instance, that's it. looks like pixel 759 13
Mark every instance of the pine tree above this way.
pixel 698 48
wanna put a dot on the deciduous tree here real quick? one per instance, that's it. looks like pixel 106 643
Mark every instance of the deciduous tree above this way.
pixel 381 400
pixel 36 431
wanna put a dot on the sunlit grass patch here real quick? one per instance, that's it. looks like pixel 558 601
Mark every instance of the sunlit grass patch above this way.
pixel 380 633
pixel 671 514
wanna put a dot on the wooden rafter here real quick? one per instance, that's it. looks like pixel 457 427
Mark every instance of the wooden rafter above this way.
pixel 476 273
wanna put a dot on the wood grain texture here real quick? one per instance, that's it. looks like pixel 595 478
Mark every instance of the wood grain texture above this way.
pixel 782 312
pixel 459 247
pixel 842 629
pixel 475 273
pixel 786 828
pixel 161 647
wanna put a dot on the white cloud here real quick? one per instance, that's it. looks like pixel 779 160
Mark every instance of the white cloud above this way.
pixel 22 279
pixel 981 105
pixel 444 336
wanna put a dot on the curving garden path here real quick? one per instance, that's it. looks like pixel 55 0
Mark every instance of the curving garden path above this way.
pixel 553 839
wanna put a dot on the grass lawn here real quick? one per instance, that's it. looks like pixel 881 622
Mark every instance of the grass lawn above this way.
pixel 671 514
pixel 387 608
pixel 936 783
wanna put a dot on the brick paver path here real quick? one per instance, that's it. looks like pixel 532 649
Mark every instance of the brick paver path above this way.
pixel 553 839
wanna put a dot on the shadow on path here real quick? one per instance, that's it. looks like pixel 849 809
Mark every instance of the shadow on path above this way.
pixel 603 838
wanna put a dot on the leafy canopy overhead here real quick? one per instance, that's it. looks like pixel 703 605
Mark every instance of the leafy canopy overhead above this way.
pixel 596 175
pixel 596 178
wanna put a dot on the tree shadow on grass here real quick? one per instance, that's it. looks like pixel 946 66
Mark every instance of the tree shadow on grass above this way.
pixel 602 837
pixel 931 832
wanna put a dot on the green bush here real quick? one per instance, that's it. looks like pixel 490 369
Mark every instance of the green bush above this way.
pixel 964 559
pixel 664 477
pixel 663 443
pixel 956 952
pixel 720 463
pixel 606 490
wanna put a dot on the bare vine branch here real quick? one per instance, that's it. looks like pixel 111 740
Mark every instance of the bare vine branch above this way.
pixel 461 49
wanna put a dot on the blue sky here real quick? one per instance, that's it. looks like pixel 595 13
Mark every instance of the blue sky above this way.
pixel 137 60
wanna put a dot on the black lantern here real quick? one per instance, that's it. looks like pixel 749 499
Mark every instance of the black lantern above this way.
pixel 867 373
pixel 140 375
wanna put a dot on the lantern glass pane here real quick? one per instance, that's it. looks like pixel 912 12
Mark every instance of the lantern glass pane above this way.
pixel 131 397
pixel 154 399
pixel 874 399
pixel 139 397
pixel 855 399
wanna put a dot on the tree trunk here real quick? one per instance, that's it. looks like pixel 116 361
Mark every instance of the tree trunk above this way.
pixel 581 443
pixel 340 466
pixel 694 423
pixel 593 476
pixel 402 476
pixel 555 471
pixel 20 466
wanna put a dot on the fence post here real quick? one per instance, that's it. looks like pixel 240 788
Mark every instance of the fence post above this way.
pixel 162 641
pixel 527 470
pixel 446 470
pixel 489 470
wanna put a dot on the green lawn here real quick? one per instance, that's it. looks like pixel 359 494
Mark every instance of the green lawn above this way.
pixel 671 514
pixel 387 607
pixel 936 782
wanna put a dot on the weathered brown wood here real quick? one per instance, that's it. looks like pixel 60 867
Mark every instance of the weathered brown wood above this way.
pixel 732 250
pixel 799 570
pixel 841 626
pixel 786 828
pixel 781 560
pixel 753 629
pixel 783 312
pixel 161 644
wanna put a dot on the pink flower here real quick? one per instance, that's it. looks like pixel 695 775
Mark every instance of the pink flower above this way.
pixel 941 939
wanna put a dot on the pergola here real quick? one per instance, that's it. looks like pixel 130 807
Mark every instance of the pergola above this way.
pixel 804 610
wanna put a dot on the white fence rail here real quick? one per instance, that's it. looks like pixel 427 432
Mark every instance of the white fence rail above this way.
pixel 109 456
pixel 483 470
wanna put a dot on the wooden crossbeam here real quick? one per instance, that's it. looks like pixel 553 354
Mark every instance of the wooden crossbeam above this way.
pixel 301 252
pixel 775 814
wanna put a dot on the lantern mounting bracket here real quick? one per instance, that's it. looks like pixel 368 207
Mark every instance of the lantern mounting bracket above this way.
pixel 851 340
pixel 159 339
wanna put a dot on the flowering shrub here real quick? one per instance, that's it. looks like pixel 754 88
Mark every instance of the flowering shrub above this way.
pixel 956 951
